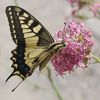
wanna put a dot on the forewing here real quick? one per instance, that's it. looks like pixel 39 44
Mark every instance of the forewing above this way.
pixel 24 26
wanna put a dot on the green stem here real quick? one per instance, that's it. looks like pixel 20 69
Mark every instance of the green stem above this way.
pixel 53 85
pixel 96 58
pixel 16 3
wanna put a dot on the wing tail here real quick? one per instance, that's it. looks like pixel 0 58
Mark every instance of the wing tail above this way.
pixel 12 74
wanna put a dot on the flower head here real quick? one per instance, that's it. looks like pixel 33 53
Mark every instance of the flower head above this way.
pixel 73 1
pixel 96 9
pixel 77 5
pixel 76 53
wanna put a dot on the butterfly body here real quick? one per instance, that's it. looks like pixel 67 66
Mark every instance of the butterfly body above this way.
pixel 35 45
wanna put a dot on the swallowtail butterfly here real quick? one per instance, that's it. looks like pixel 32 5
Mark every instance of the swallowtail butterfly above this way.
pixel 34 44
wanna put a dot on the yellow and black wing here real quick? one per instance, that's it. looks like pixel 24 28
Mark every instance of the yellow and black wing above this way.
pixel 31 38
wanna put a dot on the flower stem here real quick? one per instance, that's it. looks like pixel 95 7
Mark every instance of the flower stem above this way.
pixel 96 58
pixel 53 85
pixel 16 3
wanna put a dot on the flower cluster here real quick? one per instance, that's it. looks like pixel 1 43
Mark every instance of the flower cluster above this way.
pixel 96 9
pixel 80 4
pixel 78 47
pixel 73 1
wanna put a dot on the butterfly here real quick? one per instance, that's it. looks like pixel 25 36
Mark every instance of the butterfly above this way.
pixel 34 44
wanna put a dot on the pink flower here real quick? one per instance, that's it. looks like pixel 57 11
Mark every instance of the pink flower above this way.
pixel 73 1
pixel 96 9
pixel 78 47
pixel 76 4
